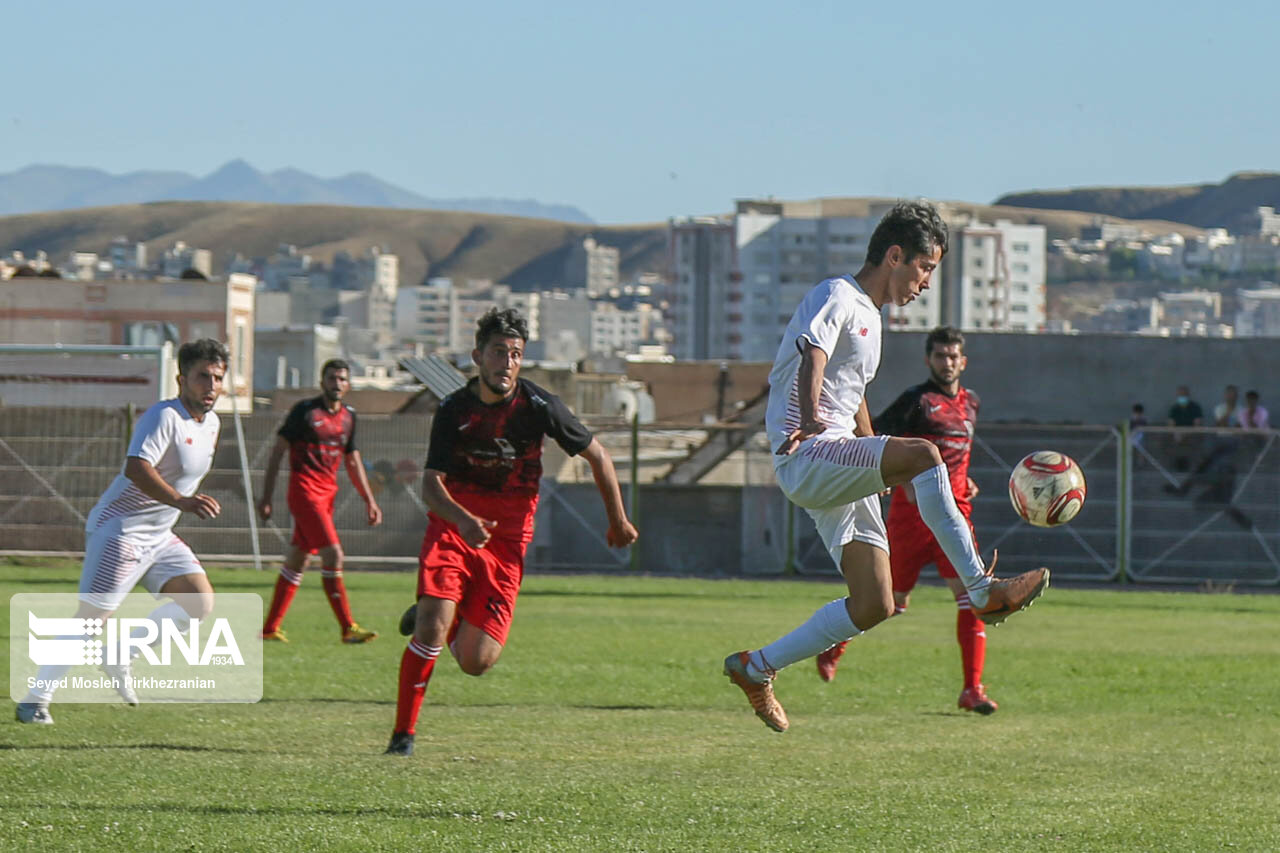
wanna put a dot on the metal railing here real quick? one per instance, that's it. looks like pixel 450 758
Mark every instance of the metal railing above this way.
pixel 1164 506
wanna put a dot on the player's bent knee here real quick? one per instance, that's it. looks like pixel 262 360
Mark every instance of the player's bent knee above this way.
pixel 872 612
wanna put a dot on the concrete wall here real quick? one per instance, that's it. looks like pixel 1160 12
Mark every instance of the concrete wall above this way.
pixel 1092 379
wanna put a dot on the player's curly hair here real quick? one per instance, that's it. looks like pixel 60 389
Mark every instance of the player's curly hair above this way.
pixel 916 226
pixel 943 336
pixel 501 324
pixel 206 349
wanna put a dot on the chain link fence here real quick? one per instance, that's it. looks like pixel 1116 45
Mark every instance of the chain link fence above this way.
pixel 1171 506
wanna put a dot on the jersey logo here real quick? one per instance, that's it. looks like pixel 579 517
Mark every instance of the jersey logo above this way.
pixel 933 407
pixel 863 332
pixel 189 441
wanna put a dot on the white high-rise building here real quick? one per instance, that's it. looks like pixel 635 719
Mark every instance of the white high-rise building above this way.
pixel 995 277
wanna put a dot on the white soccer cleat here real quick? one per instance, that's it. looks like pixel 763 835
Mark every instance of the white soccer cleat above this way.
pixel 121 675
pixel 34 712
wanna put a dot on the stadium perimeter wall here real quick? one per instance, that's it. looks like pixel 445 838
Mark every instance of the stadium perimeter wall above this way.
pixel 1087 379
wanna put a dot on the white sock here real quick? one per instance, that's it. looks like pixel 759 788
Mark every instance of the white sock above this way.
pixel 829 624
pixel 170 610
pixel 938 509
pixel 46 676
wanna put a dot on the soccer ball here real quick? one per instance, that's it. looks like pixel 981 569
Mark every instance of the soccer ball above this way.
pixel 1047 488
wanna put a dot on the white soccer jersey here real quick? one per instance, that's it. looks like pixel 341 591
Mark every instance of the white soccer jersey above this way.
pixel 180 448
pixel 837 316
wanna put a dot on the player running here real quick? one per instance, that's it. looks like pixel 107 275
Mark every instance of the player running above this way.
pixel 481 480
pixel 320 435
pixel 944 412
pixel 828 461
pixel 129 532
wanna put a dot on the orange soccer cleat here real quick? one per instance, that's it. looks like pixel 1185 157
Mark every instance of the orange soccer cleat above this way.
pixel 976 699
pixel 759 693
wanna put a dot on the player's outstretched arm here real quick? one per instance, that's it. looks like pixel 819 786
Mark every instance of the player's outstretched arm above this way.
pixel 473 530
pixel 269 478
pixel 621 531
pixel 355 470
pixel 809 381
pixel 151 484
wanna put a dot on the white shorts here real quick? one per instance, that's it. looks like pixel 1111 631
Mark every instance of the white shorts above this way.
pixel 114 564
pixel 838 482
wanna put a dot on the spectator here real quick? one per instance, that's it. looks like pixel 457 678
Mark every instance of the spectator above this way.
pixel 1253 415
pixel 1137 420
pixel 1185 412
pixel 1226 413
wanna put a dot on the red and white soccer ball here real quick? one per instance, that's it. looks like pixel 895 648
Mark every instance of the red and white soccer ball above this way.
pixel 1047 488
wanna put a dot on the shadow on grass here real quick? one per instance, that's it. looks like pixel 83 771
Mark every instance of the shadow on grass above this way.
pixel 252 811
pixel 324 700
pixel 79 747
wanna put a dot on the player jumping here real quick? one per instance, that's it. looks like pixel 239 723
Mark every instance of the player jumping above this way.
pixel 828 461
pixel 944 412
pixel 320 434
pixel 129 532
pixel 481 480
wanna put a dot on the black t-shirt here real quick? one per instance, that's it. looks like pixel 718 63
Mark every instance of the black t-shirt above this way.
pixel 926 411
pixel 497 448
pixel 1185 416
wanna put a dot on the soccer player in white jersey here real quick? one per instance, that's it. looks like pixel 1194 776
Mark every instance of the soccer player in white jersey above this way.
pixel 828 460
pixel 129 532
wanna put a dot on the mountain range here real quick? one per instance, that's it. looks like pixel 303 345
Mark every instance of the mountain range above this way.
pixel 47 188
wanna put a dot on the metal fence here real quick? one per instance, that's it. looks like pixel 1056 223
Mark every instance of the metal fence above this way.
pixel 1163 506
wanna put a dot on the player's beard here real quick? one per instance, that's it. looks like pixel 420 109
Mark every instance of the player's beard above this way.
pixel 490 383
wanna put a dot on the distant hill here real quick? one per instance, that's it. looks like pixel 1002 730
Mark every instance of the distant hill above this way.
pixel 1225 205
pixel 44 188
pixel 525 253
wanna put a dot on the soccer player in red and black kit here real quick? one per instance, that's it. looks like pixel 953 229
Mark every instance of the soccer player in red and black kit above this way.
pixel 483 467
pixel 944 412
pixel 319 434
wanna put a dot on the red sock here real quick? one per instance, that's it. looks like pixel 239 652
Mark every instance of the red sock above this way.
pixel 415 671
pixel 972 636
pixel 286 586
pixel 336 592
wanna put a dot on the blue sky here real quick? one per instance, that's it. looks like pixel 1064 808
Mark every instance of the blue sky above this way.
pixel 638 113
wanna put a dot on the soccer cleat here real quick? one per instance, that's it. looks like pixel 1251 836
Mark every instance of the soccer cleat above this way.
pixel 275 636
pixel 759 693
pixel 355 634
pixel 1007 597
pixel 976 699
pixel 401 744
pixel 409 620
pixel 34 712
pixel 121 675
pixel 827 660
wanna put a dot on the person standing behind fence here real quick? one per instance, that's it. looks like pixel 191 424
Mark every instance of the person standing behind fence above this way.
pixel 319 434
pixel 1184 412
pixel 483 469
pixel 1226 413
pixel 129 536
pixel 1253 415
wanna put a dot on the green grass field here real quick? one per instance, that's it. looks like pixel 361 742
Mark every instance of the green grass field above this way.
pixel 1129 721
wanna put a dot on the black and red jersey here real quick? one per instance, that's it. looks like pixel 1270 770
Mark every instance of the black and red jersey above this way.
pixel 318 442
pixel 497 447
pixel 926 411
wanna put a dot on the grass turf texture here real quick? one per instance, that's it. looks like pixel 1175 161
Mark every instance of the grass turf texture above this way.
pixel 1128 721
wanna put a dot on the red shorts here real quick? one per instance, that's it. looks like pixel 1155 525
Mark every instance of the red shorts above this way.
pixel 312 522
pixel 483 581
pixel 912 545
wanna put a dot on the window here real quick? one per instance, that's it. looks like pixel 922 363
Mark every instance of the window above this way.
pixel 1018 308
pixel 1021 288
pixel 1022 247
pixel 1020 267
